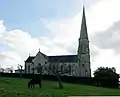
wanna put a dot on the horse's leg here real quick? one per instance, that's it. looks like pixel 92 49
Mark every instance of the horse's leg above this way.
pixel 40 85
pixel 33 86
pixel 28 85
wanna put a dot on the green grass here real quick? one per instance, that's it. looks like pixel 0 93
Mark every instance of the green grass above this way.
pixel 17 87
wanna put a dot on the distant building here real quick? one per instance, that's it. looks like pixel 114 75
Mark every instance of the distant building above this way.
pixel 78 64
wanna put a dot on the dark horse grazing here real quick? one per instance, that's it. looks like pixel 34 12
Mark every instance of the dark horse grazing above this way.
pixel 32 82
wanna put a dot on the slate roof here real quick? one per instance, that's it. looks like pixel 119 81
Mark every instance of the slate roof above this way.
pixel 44 55
pixel 29 59
pixel 52 59
pixel 63 58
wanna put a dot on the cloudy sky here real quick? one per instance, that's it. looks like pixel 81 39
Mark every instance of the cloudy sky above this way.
pixel 54 27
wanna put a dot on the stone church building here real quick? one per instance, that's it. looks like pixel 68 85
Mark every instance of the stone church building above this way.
pixel 79 65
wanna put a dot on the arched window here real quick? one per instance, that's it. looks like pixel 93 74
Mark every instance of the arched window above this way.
pixel 28 68
pixel 61 68
pixel 53 68
pixel 49 69
pixel 39 68
pixel 45 62
pixel 80 47
pixel 69 69
pixel 83 65
pixel 86 72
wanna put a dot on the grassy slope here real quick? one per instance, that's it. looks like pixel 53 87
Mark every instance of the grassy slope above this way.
pixel 16 87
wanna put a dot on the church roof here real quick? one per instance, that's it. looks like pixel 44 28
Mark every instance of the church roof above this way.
pixel 29 59
pixel 63 58
pixel 45 56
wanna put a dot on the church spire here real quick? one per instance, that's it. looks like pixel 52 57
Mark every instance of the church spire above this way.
pixel 83 32
pixel 83 49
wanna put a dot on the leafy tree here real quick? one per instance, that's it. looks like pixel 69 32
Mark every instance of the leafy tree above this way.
pixel 106 77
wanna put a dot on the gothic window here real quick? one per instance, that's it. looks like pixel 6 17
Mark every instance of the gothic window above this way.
pixel 53 68
pixel 28 68
pixel 61 68
pixel 49 68
pixel 81 48
pixel 45 68
pixel 57 67
pixel 65 66
pixel 45 62
pixel 86 72
pixel 83 65
pixel 69 69
pixel 39 68
pixel 39 64
pixel 84 48
pixel 73 68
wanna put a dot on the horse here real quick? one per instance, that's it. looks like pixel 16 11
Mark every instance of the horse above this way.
pixel 32 82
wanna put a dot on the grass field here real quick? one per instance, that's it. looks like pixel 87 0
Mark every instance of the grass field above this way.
pixel 17 87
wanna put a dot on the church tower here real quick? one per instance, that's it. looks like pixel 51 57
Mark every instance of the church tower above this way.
pixel 83 50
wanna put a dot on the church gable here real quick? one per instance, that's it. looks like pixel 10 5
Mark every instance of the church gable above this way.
pixel 29 59
pixel 40 57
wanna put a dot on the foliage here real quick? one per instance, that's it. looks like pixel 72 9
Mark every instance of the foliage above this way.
pixel 106 76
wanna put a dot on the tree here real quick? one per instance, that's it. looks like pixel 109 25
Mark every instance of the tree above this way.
pixel 9 70
pixel 106 77
pixel 20 68
pixel 2 70
pixel 58 73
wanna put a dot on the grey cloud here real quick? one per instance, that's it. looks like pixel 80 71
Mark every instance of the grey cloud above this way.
pixel 93 52
pixel 108 39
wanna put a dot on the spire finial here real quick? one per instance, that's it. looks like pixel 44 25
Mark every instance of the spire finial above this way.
pixel 83 3
pixel 39 49
pixel 29 54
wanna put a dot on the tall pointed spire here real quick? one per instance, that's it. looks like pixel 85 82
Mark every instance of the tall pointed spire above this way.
pixel 83 32
pixel 83 49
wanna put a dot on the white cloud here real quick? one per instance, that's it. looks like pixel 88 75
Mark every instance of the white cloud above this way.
pixel 9 58
pixel 21 42
pixel 2 29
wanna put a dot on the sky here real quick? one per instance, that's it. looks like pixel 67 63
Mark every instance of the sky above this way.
pixel 54 27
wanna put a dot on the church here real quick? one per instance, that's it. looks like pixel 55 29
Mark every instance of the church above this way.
pixel 79 65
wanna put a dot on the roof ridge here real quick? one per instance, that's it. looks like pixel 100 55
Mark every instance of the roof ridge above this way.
pixel 64 55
